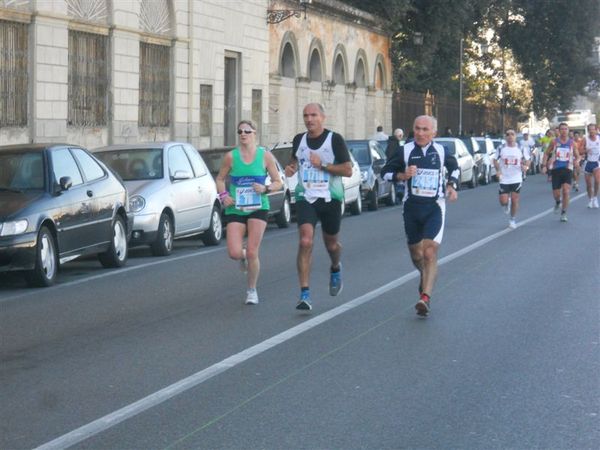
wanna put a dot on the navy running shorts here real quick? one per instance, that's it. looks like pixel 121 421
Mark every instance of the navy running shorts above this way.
pixel 260 214
pixel 590 166
pixel 424 221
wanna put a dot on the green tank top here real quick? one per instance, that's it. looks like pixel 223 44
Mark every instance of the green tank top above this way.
pixel 242 175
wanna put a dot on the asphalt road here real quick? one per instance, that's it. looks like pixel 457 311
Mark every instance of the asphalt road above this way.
pixel 164 354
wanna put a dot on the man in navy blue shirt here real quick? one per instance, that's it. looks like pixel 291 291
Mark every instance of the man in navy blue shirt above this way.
pixel 420 165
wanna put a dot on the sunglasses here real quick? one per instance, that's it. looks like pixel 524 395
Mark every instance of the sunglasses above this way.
pixel 245 131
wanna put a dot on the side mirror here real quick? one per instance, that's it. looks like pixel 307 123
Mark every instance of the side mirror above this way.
pixel 181 175
pixel 65 183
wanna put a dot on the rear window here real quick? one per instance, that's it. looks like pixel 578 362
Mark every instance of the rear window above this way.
pixel 360 151
pixel 450 146
pixel 135 164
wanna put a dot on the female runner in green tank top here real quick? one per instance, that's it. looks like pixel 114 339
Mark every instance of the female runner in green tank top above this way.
pixel 246 203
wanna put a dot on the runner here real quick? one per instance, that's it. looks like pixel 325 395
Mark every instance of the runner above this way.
pixel 545 141
pixel 591 150
pixel 511 163
pixel 246 202
pixel 322 159
pixel 578 142
pixel 420 164
pixel 562 155
pixel 528 146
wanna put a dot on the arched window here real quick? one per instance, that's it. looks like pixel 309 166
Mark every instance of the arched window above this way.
pixel 288 62
pixel 379 77
pixel 339 72
pixel 315 70
pixel 360 77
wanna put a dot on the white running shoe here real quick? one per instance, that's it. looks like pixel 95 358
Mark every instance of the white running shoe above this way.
pixel 512 224
pixel 251 297
pixel 595 205
pixel 591 203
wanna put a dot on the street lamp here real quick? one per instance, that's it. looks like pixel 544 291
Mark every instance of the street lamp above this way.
pixel 279 15
pixel 460 91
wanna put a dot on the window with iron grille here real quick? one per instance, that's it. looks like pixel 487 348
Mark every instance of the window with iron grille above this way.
pixel 88 79
pixel 206 106
pixel 155 86
pixel 13 74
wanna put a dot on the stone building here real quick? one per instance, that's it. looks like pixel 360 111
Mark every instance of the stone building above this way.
pixel 96 72
pixel 338 56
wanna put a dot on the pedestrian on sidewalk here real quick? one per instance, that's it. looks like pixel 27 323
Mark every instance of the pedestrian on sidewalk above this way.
pixel 511 162
pixel 420 165
pixel 591 149
pixel 246 202
pixel 321 158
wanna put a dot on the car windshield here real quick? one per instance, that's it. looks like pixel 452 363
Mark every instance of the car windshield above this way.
pixel 482 145
pixel 360 151
pixel 22 171
pixel 450 146
pixel 135 163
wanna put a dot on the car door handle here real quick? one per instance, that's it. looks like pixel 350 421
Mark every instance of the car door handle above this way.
pixel 90 193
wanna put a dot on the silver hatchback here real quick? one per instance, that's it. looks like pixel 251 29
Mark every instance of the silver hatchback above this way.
pixel 171 193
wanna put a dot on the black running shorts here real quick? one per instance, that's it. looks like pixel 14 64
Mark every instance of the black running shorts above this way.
pixel 260 214
pixel 329 213
pixel 508 188
pixel 561 176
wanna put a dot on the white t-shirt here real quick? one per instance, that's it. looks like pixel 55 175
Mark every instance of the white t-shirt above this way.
pixel 510 159
pixel 528 144
pixel 592 149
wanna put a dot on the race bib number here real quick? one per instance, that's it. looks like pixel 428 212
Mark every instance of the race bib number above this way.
pixel 511 162
pixel 315 179
pixel 426 182
pixel 562 154
pixel 247 199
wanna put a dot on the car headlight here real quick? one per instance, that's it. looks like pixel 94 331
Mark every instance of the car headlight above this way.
pixel 12 228
pixel 137 203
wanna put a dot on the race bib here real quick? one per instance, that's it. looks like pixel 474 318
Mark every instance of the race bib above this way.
pixel 247 199
pixel 511 162
pixel 562 154
pixel 315 179
pixel 425 183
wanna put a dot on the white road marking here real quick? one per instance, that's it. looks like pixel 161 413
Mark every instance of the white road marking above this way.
pixel 133 409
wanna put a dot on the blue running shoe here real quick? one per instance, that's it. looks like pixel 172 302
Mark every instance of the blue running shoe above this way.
pixel 304 302
pixel 335 282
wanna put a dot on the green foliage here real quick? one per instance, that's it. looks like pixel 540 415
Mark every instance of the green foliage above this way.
pixel 543 45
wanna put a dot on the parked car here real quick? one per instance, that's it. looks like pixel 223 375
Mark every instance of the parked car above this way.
pixel 352 195
pixel 279 201
pixel 482 164
pixel 58 202
pixel 371 158
pixel 466 164
pixel 171 193
pixel 487 171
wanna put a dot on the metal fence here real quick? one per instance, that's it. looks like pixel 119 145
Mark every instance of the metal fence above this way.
pixel 88 79
pixel 13 74
pixel 155 69
pixel 477 119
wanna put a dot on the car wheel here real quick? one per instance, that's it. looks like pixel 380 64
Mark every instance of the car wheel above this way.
pixel 214 234
pixel 391 198
pixel 116 255
pixel 284 216
pixel 46 261
pixel 372 199
pixel 356 207
pixel 163 245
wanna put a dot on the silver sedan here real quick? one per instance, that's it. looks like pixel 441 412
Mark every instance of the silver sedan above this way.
pixel 171 193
